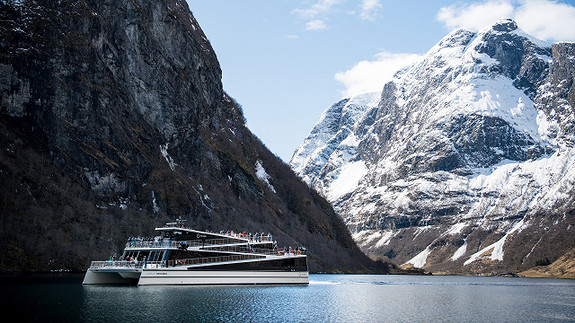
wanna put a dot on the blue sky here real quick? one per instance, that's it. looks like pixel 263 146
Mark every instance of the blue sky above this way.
pixel 286 61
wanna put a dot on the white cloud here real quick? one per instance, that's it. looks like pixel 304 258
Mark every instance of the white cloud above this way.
pixel 474 16
pixel 316 24
pixel 313 13
pixel 371 76
pixel 318 11
pixel 370 9
pixel 545 19
pixel 318 8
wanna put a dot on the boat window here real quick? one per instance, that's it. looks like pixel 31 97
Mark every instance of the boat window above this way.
pixel 143 254
pixel 130 254
pixel 155 255
pixel 165 255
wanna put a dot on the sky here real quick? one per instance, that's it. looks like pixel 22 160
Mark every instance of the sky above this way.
pixel 287 61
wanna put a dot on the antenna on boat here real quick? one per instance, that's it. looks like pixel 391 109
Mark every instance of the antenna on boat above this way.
pixel 181 222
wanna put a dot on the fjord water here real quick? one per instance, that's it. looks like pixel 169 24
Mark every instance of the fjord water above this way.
pixel 328 298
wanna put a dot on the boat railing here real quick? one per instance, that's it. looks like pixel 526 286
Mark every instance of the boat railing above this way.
pixel 152 244
pixel 167 263
pixel 121 264
pixel 162 244
pixel 133 264
pixel 246 249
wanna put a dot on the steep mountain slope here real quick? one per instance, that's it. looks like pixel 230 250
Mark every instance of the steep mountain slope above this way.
pixel 113 121
pixel 467 162
pixel 331 147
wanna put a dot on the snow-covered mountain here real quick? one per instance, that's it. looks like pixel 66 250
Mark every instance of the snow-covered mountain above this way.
pixel 464 163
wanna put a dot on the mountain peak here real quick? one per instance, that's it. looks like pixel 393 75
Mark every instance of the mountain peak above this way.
pixel 505 25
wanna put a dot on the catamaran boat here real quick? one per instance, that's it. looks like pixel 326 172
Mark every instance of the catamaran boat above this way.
pixel 184 256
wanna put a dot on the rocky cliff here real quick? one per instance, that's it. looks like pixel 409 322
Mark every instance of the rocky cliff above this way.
pixel 113 120
pixel 466 164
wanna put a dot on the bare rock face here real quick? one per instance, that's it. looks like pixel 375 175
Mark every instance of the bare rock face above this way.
pixel 557 97
pixel 114 121
pixel 466 164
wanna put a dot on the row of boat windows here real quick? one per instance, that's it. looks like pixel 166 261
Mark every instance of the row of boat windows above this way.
pixel 290 264
pixel 141 255
pixel 160 255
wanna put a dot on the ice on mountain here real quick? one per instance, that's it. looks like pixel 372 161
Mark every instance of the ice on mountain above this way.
pixel 263 176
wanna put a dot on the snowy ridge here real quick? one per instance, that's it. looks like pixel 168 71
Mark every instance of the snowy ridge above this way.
pixel 332 143
pixel 467 154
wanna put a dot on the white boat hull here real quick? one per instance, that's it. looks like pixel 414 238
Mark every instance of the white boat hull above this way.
pixel 220 277
pixel 111 276
pixel 183 276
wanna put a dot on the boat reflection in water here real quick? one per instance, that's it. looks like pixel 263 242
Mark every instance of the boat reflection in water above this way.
pixel 184 256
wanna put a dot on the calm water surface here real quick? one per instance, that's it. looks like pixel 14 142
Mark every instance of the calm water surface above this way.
pixel 328 298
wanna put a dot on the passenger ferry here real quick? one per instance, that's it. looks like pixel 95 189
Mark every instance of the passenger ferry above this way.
pixel 184 256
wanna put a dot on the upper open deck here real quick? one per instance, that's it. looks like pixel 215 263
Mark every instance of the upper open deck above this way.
pixel 176 236
pixel 177 231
